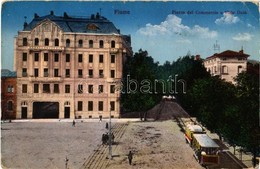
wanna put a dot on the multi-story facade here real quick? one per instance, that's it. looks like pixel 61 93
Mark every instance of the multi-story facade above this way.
pixel 8 94
pixel 68 67
pixel 227 64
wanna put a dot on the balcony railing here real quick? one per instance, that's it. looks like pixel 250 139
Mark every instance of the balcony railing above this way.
pixel 57 48
pixel 45 79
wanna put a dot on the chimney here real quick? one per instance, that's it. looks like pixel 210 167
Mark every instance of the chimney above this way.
pixel 52 13
pixel 92 16
pixel 36 15
pixel 65 15
pixel 25 23
pixel 97 16
pixel 197 57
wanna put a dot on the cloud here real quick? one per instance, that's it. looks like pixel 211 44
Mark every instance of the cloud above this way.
pixel 173 26
pixel 227 18
pixel 186 41
pixel 242 37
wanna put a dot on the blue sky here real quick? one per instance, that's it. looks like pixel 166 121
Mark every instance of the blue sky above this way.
pixel 167 30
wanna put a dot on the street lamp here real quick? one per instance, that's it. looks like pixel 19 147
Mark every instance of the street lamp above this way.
pixel 110 140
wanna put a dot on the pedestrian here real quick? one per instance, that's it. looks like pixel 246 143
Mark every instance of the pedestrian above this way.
pixel 107 125
pixel 130 157
pixel 73 123
pixel 100 118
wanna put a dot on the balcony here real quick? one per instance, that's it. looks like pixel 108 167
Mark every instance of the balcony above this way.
pixel 113 50
pixel 45 79
pixel 54 48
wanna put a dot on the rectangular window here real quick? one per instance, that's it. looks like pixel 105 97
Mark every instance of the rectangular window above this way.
pixel 90 58
pixel 67 57
pixel 112 106
pixel 100 89
pixel 67 71
pixel 112 88
pixel 46 57
pixel 80 88
pixel 113 58
pixel 56 88
pixel 112 73
pixel 36 88
pixel 10 89
pixel 36 57
pixel 24 57
pixel 56 57
pixel 101 44
pixel 80 58
pixel 24 73
pixel 100 106
pixel 80 73
pixel 67 88
pixel 101 58
pixel 90 88
pixel 56 72
pixel 36 72
pixel 90 73
pixel 45 71
pixel 90 105
pixel 101 73
pixel 46 88
pixel 24 88
pixel 80 105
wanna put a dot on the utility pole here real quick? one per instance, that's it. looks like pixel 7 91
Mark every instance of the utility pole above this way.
pixel 110 139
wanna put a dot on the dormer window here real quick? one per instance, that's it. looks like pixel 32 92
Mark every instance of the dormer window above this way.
pixel 92 27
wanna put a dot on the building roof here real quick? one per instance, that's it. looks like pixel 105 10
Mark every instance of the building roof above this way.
pixel 229 54
pixel 7 73
pixel 93 24
pixel 205 141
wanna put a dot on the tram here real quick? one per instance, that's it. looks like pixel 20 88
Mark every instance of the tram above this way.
pixel 191 129
pixel 206 150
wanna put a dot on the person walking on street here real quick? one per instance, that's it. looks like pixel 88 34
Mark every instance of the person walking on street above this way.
pixel 100 118
pixel 130 157
pixel 73 123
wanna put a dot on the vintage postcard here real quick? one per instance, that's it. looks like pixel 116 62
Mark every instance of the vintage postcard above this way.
pixel 130 84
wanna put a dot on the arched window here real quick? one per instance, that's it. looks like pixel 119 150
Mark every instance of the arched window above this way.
pixel 46 42
pixel 24 41
pixel 101 44
pixel 80 43
pixel 10 105
pixel 90 43
pixel 56 42
pixel 67 43
pixel 113 44
pixel 239 69
pixel 36 42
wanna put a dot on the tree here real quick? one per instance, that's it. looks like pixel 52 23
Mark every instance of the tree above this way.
pixel 138 94
pixel 248 101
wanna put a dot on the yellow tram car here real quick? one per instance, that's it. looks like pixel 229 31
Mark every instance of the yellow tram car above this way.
pixel 191 129
pixel 206 150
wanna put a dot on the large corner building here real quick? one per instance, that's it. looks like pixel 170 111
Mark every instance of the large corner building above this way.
pixel 69 67
pixel 227 64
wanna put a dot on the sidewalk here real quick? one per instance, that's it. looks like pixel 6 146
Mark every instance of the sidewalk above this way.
pixel 123 120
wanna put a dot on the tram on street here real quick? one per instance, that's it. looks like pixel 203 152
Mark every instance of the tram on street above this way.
pixel 191 129
pixel 206 150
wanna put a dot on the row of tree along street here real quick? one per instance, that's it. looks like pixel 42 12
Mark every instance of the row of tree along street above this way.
pixel 232 111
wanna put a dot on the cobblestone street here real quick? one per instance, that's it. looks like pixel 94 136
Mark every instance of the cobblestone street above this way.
pixel 47 144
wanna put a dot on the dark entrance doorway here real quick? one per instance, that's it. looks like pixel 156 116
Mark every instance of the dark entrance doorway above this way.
pixel 67 112
pixel 24 112
pixel 45 110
